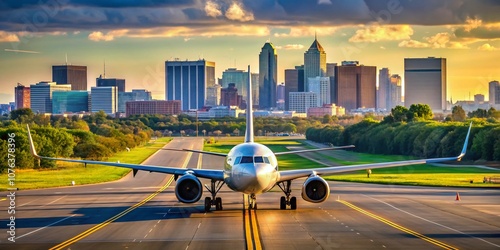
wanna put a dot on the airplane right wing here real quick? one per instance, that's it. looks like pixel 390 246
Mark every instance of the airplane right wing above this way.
pixel 294 174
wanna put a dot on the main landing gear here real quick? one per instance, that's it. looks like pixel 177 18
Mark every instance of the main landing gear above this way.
pixel 285 186
pixel 214 188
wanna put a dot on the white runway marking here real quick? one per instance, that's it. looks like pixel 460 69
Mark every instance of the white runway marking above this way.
pixel 435 223
pixel 45 226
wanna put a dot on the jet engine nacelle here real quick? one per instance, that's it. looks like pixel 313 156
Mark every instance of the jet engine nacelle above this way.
pixel 188 189
pixel 315 189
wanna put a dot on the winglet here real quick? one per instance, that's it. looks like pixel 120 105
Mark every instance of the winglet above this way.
pixel 32 145
pixel 249 129
pixel 464 149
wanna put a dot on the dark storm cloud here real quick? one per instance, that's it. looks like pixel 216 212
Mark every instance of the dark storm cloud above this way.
pixel 16 4
pixel 48 15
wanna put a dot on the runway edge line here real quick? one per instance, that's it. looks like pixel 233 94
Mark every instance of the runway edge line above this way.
pixel 399 227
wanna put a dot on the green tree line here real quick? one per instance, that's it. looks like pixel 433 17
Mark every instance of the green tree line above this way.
pixel 93 137
pixel 411 132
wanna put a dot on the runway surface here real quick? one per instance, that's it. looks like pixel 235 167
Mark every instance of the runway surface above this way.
pixel 134 213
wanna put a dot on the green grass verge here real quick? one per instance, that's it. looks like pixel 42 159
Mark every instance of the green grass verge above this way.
pixel 66 172
pixel 425 175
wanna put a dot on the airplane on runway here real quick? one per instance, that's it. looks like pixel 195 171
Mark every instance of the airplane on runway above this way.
pixel 252 168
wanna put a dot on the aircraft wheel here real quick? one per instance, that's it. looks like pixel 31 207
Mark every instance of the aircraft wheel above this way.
pixel 208 204
pixel 293 203
pixel 283 203
pixel 218 203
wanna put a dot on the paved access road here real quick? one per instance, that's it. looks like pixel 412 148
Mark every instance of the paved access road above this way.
pixel 133 214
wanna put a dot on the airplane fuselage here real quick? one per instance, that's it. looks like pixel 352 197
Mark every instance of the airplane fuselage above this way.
pixel 251 168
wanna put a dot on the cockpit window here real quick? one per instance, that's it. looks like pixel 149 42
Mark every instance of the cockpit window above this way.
pixel 258 159
pixel 246 159
pixel 237 161
pixel 266 160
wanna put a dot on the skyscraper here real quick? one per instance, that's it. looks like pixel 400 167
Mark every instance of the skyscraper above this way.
pixel 314 62
pixel 268 76
pixel 41 95
pixel 294 82
pixel 425 82
pixel 383 94
pixel 321 86
pixel 394 92
pixel 70 101
pixel 135 95
pixel 236 76
pixel 355 86
pixel 105 99
pixel 494 92
pixel 254 78
pixel 22 96
pixel 213 95
pixel 70 74
pixel 110 82
pixel 230 97
pixel 187 81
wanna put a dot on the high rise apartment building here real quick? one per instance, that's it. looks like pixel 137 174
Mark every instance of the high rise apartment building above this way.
pixel 294 82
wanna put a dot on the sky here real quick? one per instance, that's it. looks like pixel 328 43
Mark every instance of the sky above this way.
pixel 134 38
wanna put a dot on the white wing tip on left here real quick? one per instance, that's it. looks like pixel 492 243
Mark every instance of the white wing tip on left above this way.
pixel 32 145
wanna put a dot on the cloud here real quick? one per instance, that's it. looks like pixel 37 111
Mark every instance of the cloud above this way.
pixel 377 33
pixel 487 47
pixel 212 9
pixel 413 44
pixel 97 36
pixel 8 37
pixel 475 16
pixel 291 47
pixel 310 31
pixel 445 40
pixel 478 30
pixel 180 31
pixel 236 12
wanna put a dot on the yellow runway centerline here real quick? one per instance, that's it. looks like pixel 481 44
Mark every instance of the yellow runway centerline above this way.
pixel 123 213
pixel 108 221
pixel 399 227
pixel 252 236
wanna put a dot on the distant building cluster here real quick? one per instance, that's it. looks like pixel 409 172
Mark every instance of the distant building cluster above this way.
pixel 314 88
pixel 67 94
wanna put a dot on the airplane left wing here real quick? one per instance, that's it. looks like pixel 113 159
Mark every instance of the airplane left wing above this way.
pixel 202 173
pixel 294 174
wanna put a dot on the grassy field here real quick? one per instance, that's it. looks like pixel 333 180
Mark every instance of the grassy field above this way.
pixel 68 172
pixel 408 175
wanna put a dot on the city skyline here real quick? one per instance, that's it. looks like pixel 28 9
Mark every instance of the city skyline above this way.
pixel 135 38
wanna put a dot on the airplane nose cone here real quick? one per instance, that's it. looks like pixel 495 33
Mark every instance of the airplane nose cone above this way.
pixel 252 178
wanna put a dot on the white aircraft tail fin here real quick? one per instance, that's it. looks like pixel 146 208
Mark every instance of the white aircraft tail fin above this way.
pixel 249 112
